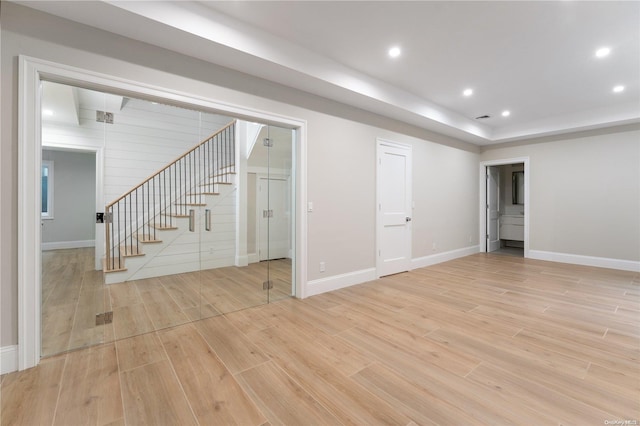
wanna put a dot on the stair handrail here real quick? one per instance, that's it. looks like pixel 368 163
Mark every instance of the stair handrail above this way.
pixel 108 217
pixel 171 164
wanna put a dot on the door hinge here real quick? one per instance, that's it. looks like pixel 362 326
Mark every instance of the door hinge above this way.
pixel 267 142
pixel 104 318
pixel 104 117
pixel 267 213
pixel 266 285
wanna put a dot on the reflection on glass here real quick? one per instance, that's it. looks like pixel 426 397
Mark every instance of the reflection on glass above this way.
pixel 517 188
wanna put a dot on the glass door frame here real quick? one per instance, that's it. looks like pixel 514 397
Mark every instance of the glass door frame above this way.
pixel 30 72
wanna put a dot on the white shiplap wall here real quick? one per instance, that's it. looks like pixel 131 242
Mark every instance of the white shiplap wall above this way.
pixel 143 139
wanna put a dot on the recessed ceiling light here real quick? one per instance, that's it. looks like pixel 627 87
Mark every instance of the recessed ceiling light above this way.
pixel 618 89
pixel 394 52
pixel 467 92
pixel 506 113
pixel 47 112
pixel 602 52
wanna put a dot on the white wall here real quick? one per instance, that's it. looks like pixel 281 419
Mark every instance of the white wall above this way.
pixel 143 138
pixel 584 193
pixel 74 194
pixel 341 147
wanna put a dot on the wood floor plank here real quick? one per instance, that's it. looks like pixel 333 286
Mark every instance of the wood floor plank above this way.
pixel 563 409
pixel 343 357
pixel 418 404
pixel 90 390
pixel 485 339
pixel 547 375
pixel 348 401
pixel 236 351
pixel 283 401
pixel 408 350
pixel 139 350
pixel 30 397
pixel 214 394
pixel 131 320
pixel 152 395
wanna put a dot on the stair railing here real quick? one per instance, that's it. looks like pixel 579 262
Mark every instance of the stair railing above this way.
pixel 166 195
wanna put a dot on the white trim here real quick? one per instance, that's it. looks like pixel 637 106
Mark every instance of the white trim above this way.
pixel 8 359
pixel 31 71
pixel 577 259
pixel 483 199
pixel 68 244
pixel 337 282
pixel 100 202
pixel 423 262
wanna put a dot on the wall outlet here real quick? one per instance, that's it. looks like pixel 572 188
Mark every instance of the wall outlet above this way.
pixel 322 267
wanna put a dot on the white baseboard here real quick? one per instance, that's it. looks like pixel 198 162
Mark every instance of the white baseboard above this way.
pixel 576 259
pixel 8 359
pixel 68 245
pixel 423 262
pixel 253 257
pixel 337 282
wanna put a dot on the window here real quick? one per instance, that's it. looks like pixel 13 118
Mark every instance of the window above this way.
pixel 47 189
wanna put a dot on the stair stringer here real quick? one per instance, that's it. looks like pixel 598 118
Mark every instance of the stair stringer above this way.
pixel 180 250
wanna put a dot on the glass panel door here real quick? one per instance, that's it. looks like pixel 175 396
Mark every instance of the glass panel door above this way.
pixel 187 215
pixel 73 295
pixel 271 184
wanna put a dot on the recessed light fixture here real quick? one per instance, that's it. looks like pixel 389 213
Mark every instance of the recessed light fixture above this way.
pixel 47 112
pixel 619 88
pixel 506 113
pixel 602 52
pixel 467 92
pixel 395 51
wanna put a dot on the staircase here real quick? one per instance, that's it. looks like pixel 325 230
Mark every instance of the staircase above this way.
pixel 144 226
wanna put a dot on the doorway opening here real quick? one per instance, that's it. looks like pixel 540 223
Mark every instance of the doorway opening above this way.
pixel 504 207
pixel 179 289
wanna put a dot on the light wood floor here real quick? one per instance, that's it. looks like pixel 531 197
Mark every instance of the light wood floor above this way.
pixel 482 340
pixel 73 293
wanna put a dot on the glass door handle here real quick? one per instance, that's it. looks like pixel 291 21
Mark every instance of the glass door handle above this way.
pixel 192 220
pixel 207 220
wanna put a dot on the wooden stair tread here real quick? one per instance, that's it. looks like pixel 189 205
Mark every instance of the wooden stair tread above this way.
pixel 131 251
pixel 163 227
pixel 106 269
pixel 190 204
pixel 203 193
pixel 144 238
pixel 216 183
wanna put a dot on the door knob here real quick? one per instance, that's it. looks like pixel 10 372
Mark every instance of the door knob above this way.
pixel 408 219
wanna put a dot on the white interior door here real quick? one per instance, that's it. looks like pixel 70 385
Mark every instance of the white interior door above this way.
pixel 394 208
pixel 493 207
pixel 273 212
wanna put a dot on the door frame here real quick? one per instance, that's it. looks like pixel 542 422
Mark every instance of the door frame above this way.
pixel 379 222
pixel 482 182
pixel 30 73
pixel 99 201
pixel 269 176
pixel 488 170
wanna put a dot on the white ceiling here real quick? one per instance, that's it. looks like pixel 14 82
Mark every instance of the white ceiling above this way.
pixel 536 59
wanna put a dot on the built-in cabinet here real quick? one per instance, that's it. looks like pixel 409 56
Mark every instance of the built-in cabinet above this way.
pixel 512 227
